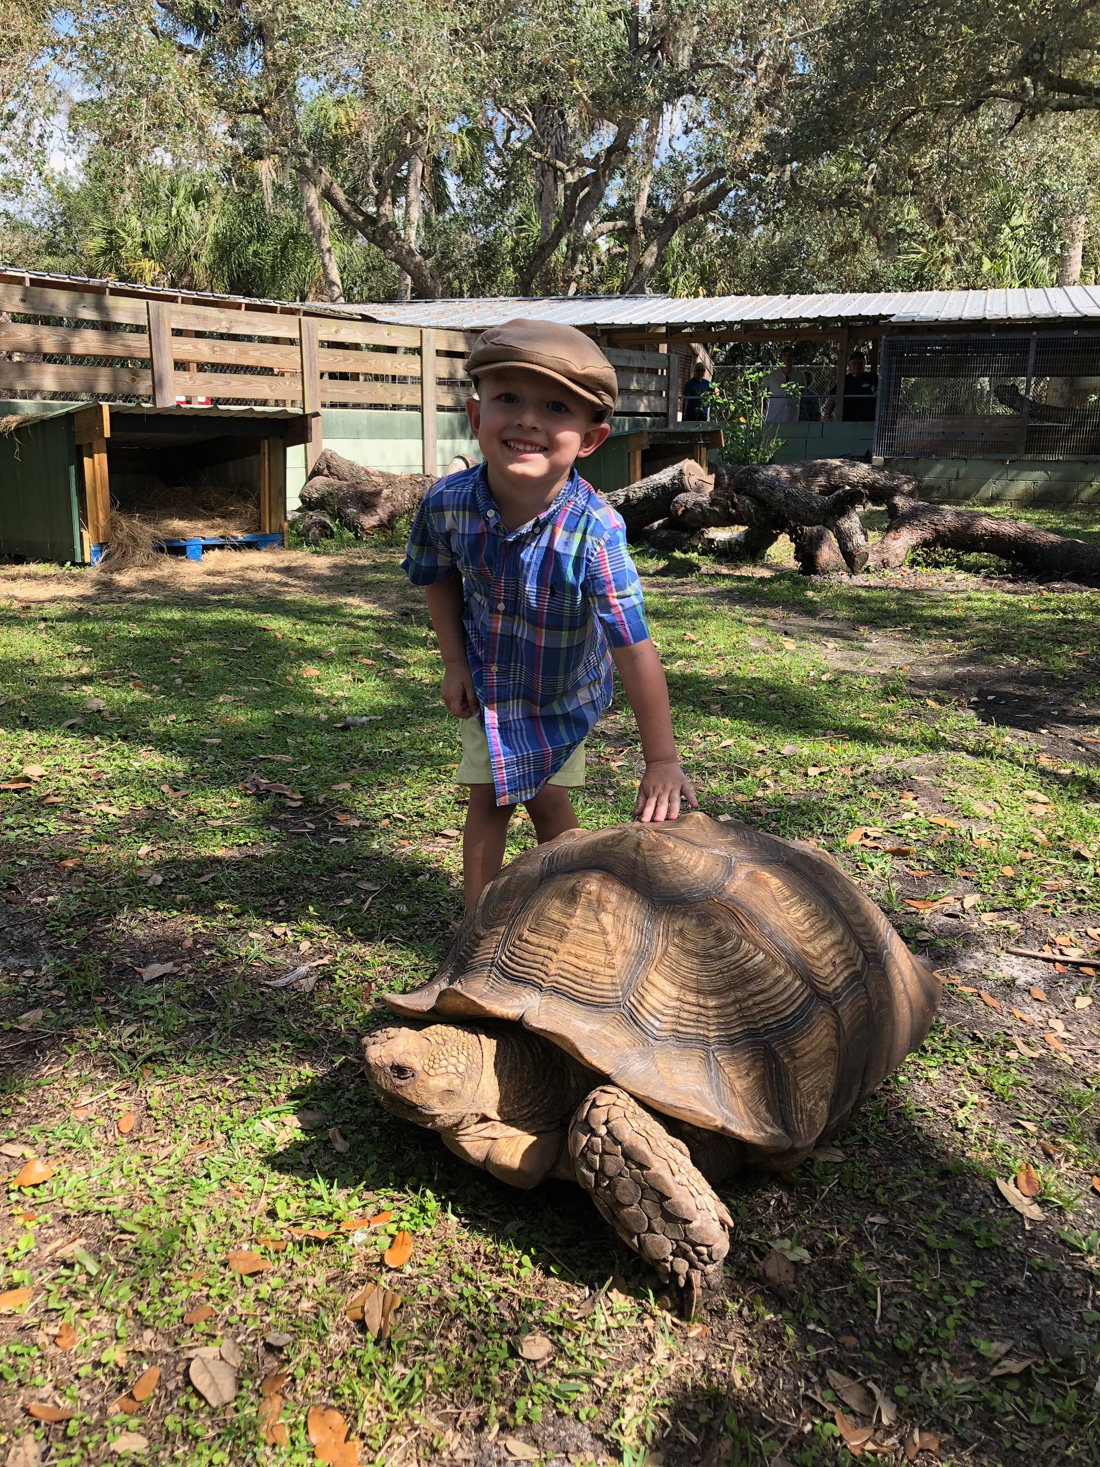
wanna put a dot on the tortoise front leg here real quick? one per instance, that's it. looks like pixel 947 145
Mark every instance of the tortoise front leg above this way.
pixel 645 1184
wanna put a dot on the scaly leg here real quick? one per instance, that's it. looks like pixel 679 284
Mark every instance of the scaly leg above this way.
pixel 645 1184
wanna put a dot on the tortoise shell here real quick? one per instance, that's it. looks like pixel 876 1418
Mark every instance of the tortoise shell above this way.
pixel 727 978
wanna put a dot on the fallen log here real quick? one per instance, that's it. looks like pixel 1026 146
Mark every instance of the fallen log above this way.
pixel 918 526
pixel 823 475
pixel 815 550
pixel 796 506
pixel 362 500
pixel 314 526
pixel 648 500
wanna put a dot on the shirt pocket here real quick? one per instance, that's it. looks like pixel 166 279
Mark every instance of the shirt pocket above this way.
pixel 555 602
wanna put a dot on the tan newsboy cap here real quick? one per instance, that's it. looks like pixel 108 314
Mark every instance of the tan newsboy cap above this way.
pixel 560 352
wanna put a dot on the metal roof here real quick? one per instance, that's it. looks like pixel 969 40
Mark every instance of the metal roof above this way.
pixel 619 312
pixel 622 312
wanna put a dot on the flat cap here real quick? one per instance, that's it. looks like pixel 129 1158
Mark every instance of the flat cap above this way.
pixel 560 352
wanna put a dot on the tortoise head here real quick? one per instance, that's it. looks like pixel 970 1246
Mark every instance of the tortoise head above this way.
pixel 431 1076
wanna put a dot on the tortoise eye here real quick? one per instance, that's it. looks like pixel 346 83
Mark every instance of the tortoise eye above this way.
pixel 402 1072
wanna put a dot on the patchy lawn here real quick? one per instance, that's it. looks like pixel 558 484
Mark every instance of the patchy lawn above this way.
pixel 186 821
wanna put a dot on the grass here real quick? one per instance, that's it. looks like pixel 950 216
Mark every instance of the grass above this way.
pixel 917 710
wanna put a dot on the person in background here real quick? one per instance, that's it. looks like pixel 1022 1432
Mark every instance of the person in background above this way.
pixel 860 389
pixel 694 396
pixel 785 385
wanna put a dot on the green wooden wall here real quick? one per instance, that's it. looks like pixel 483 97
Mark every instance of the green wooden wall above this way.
pixel 38 505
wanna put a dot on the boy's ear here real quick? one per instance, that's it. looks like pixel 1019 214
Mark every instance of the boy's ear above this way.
pixel 597 433
pixel 473 415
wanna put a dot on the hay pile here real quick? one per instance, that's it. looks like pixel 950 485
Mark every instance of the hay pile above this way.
pixel 173 512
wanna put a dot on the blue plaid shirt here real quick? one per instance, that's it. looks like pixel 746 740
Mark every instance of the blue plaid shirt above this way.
pixel 542 604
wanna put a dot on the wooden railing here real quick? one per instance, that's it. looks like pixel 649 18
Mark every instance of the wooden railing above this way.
pixel 86 341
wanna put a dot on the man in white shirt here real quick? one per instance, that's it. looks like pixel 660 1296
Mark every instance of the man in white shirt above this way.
pixel 784 386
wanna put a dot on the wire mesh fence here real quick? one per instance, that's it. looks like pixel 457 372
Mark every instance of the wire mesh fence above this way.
pixel 993 396
pixel 814 382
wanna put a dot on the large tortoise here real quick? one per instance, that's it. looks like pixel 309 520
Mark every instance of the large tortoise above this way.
pixel 655 1006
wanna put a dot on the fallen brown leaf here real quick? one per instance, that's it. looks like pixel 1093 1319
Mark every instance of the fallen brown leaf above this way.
pixel 1038 995
pixel 1013 1367
pixel 989 1000
pixel 400 1251
pixel 273 1431
pixel 853 1437
pixel 1015 1198
pixel 65 1338
pixel 272 1384
pixel 1026 1181
pixel 125 1123
pixel 214 1380
pixel 146 1383
pixel 337 1140
pixel 33 1174
pixel 130 1441
pixel 246 1262
pixel 196 1316
pixel 536 1348
pixel 42 1412
pixel 851 1393
pixel 13 1299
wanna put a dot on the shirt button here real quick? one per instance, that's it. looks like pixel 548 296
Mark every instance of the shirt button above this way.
pixel 500 605
pixel 493 668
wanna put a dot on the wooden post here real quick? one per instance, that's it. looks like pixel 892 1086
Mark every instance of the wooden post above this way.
pixel 841 374
pixel 272 485
pixel 91 429
pixel 673 389
pixel 311 386
pixel 160 354
pixel 429 427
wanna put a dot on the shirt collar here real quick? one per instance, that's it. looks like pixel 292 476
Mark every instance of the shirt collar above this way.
pixel 487 504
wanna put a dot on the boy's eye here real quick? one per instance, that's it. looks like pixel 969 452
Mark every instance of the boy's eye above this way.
pixel 558 407
pixel 507 397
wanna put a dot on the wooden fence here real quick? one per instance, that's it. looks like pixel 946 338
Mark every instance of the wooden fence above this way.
pixel 114 343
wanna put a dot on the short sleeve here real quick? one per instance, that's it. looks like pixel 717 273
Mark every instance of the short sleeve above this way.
pixel 428 555
pixel 614 590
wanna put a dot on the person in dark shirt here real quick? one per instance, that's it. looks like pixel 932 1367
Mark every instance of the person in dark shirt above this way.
pixel 696 407
pixel 860 388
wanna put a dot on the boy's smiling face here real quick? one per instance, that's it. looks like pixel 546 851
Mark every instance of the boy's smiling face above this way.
pixel 531 429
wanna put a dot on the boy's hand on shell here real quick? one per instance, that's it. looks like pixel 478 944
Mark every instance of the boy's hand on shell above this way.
pixel 664 786
pixel 457 692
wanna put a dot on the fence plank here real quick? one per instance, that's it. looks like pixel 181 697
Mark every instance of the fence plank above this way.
pixel 373 363
pixel 368 333
pixel 619 357
pixel 644 404
pixel 310 387
pixel 160 345
pixel 49 377
pixel 238 385
pixel 335 392
pixel 428 430
pixel 73 341
pixel 281 325
pixel 32 300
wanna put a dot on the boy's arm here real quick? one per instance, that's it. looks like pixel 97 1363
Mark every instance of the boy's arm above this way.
pixel 444 600
pixel 664 783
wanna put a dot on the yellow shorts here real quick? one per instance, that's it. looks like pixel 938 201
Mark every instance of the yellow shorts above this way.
pixel 476 769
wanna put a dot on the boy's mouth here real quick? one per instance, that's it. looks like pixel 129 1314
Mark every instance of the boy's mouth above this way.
pixel 520 445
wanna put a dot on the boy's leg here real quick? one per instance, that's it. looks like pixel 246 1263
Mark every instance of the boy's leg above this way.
pixel 551 812
pixel 483 839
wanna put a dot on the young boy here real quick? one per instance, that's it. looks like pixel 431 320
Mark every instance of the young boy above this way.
pixel 529 586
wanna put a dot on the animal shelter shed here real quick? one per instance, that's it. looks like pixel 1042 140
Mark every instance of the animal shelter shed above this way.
pixel 185 476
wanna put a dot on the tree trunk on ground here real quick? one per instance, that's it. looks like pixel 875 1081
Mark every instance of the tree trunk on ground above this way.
pixel 917 526
pixel 815 550
pixel 314 526
pixel 649 499
pixel 1073 247
pixel 823 475
pixel 362 500
pixel 836 511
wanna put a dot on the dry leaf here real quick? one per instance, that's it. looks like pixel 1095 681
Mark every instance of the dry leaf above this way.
pixel 853 1437
pixel 196 1316
pixel 125 1123
pixel 827 1153
pixel 970 901
pixel 354 1307
pixel 778 1269
pixel 943 820
pixel 130 1441
pixel 1015 1198
pixel 214 1380
pixel 146 1383
pixel 989 1000
pixel 1082 1001
pixel 33 771
pixel 536 1348
pixel 156 970
pixel 338 1142
pixel 921 1441
pixel 246 1262
pixel 65 1338
pixel 1095 1184
pixel 1055 1043
pixel 1013 1367
pixel 887 1407
pixel 125 1404
pixel 13 1299
pixel 272 1384
pixel 400 1251
pixel 1038 995
pixel 851 1393
pixel 520 1451
pixel 1026 1181
pixel 273 1430
pixel 33 1174
pixel 93 705
pixel 41 1412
